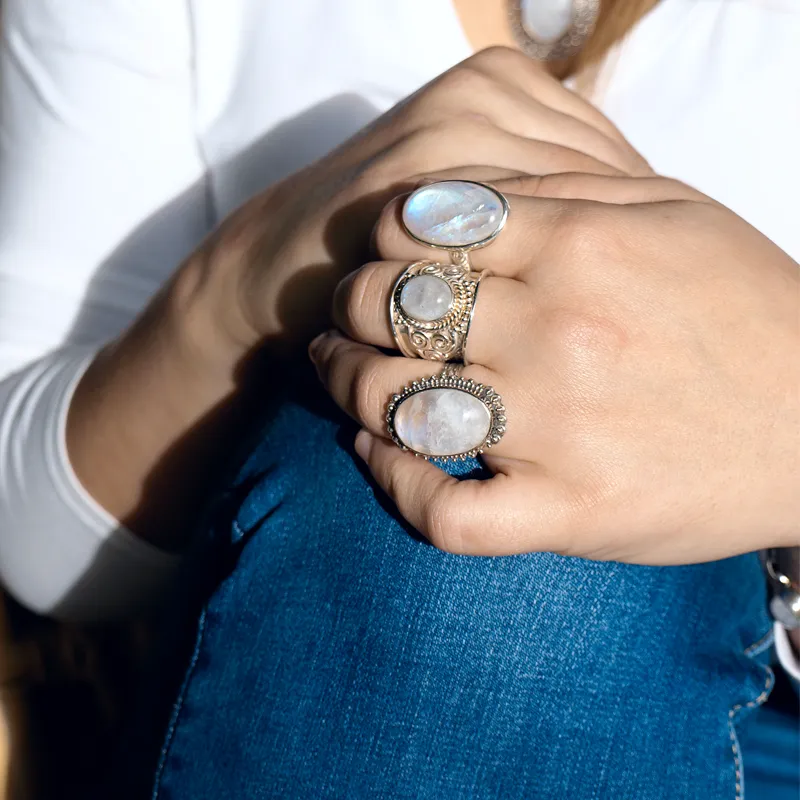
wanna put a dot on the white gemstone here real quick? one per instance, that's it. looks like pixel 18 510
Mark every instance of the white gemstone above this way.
pixel 442 422
pixel 546 20
pixel 426 298
pixel 453 213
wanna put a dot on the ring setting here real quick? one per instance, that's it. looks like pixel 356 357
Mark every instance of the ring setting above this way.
pixel 458 216
pixel 431 308
pixel 446 417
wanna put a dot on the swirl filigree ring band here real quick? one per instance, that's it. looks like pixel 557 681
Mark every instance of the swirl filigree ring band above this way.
pixel 431 308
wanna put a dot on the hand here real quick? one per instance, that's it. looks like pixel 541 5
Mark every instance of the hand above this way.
pixel 269 271
pixel 167 395
pixel 645 343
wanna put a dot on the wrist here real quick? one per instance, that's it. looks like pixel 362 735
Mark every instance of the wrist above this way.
pixel 143 417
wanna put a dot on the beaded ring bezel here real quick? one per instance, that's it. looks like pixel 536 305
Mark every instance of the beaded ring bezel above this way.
pixel 449 379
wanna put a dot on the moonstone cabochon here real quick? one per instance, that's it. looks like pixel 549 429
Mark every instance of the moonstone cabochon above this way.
pixel 454 214
pixel 442 422
pixel 426 298
pixel 546 20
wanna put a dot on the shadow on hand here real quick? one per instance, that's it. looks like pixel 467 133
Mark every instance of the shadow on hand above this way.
pixel 141 264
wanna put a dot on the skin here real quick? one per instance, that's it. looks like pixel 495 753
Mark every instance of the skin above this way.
pixel 645 342
pixel 166 398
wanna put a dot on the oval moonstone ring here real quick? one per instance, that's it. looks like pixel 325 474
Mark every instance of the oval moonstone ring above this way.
pixel 446 417
pixel 455 215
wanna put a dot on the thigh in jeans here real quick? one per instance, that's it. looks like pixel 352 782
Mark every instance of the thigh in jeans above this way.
pixel 344 657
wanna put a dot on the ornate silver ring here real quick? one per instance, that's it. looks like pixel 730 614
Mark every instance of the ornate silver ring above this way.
pixel 431 308
pixel 446 417
pixel 457 216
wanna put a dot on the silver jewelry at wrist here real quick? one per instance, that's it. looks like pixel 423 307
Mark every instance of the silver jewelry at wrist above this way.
pixel 549 30
pixel 782 565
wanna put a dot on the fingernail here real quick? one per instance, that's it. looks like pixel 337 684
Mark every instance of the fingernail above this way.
pixel 363 444
pixel 316 346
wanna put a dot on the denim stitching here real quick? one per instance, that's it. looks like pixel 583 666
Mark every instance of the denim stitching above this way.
pixel 173 722
pixel 737 759
pixel 762 644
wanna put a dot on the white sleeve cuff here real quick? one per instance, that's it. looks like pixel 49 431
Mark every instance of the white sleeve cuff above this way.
pixel 786 653
pixel 61 553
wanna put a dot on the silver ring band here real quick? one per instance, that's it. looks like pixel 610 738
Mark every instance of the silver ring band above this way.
pixel 431 308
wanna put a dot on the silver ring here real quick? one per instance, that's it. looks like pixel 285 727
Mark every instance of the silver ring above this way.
pixel 431 308
pixel 457 216
pixel 446 417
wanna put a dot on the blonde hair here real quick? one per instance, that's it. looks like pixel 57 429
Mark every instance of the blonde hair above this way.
pixel 616 18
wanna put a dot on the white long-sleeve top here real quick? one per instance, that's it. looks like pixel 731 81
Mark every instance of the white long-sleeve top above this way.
pixel 128 128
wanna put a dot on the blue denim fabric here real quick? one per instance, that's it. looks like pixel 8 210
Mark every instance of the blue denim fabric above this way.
pixel 344 657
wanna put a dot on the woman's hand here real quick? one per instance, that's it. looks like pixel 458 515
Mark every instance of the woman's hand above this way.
pixel 164 397
pixel 269 271
pixel 645 343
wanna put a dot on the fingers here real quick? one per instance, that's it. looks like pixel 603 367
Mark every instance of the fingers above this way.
pixel 361 310
pixel 506 89
pixel 519 510
pixel 506 256
pixel 538 206
pixel 361 381
pixel 516 112
pixel 514 68
pixel 611 189
pixel 452 143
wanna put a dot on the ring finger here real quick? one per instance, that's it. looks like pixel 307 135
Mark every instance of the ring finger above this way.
pixel 362 381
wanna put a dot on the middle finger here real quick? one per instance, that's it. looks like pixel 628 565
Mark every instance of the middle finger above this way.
pixel 501 312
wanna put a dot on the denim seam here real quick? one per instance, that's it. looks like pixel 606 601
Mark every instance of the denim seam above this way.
pixel 737 758
pixel 174 719
pixel 762 644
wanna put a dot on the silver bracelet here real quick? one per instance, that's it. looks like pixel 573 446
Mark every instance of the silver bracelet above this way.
pixel 782 565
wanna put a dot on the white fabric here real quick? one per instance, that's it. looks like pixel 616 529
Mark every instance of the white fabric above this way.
pixel 129 127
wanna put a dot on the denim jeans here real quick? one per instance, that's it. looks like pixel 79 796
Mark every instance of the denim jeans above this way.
pixel 341 656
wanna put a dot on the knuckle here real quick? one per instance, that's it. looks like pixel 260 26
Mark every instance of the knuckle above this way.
pixel 584 227
pixel 367 398
pixel 497 57
pixel 465 81
pixel 443 524
pixel 387 234
pixel 577 331
pixel 365 291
